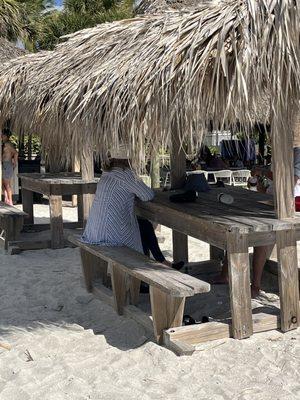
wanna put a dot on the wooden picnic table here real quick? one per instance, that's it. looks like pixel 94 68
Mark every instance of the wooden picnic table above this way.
pixel 55 186
pixel 249 221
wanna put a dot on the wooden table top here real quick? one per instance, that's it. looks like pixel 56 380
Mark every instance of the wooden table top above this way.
pixel 250 212
pixel 63 178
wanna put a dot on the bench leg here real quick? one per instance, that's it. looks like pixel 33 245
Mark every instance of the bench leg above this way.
pixel 288 279
pixel 239 284
pixel 27 201
pixel 93 268
pixel 118 279
pixel 135 285
pixel 56 222
pixel 167 311
pixel 180 247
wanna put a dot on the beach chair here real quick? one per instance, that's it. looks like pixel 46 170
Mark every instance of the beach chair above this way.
pixel 240 177
pixel 223 175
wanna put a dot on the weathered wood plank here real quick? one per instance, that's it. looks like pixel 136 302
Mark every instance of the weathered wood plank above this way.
pixel 118 279
pixel 180 247
pixel 288 280
pixel 197 334
pixel 27 201
pixel 178 177
pixel 56 222
pixel 167 311
pixel 93 269
pixel 239 284
pixel 141 267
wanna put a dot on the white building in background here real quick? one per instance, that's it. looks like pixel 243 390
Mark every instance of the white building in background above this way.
pixel 214 138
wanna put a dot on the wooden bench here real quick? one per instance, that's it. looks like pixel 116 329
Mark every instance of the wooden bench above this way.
pixel 11 224
pixel 168 287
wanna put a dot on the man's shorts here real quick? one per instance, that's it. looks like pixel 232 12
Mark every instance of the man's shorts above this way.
pixel 8 170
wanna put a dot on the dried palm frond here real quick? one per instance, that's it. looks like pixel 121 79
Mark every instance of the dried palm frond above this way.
pixel 142 80
pixel 9 51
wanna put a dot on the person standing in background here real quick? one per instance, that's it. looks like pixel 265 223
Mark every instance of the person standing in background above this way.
pixel 9 162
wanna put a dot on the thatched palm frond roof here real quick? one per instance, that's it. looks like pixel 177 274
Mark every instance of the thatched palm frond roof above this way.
pixel 154 6
pixel 141 80
pixel 9 51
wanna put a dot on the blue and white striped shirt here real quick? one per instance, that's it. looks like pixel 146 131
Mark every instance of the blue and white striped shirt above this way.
pixel 112 220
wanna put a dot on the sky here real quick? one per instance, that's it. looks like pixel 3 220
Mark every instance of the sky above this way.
pixel 58 2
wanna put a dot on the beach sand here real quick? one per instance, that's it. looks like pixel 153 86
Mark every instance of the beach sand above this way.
pixel 58 342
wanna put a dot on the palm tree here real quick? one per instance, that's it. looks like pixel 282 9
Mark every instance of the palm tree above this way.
pixel 11 19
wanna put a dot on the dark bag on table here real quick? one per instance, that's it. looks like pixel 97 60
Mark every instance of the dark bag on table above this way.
pixel 186 197
pixel 196 182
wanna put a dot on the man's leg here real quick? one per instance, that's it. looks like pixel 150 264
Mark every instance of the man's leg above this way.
pixel 260 256
pixel 7 192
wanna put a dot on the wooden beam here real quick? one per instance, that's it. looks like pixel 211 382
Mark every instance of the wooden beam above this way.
pixel 27 201
pixel 194 335
pixel 239 284
pixel 167 311
pixel 288 279
pixel 56 222
pixel 178 176
pixel 75 168
pixel 87 171
pixel 282 165
pixel 155 172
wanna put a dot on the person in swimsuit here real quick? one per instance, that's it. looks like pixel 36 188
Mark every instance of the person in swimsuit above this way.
pixel 9 162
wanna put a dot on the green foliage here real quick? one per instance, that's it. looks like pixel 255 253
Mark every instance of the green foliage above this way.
pixel 11 19
pixel 77 15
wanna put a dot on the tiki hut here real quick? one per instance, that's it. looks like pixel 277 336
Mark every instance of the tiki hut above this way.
pixel 158 79
pixel 155 6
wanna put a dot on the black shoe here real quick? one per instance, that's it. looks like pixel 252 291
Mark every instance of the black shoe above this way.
pixel 178 265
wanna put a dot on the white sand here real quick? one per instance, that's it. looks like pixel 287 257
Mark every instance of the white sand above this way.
pixel 81 349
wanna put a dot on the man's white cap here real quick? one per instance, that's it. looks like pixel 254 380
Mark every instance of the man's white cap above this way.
pixel 120 153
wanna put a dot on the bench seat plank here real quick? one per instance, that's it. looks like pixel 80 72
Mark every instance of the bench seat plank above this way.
pixel 12 211
pixel 141 267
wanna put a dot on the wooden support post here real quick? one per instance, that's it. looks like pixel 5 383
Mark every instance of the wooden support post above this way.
pixel 288 279
pixel 283 172
pixel 87 171
pixel 215 253
pixel 239 282
pixel 155 172
pixel 283 168
pixel 93 268
pixel 178 176
pixel 27 201
pixel 56 222
pixel 135 285
pixel 75 168
pixel 167 311
pixel 118 279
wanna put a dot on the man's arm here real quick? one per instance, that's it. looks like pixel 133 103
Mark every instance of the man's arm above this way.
pixel 14 156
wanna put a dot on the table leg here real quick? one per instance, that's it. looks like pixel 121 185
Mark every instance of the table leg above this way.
pixel 56 222
pixel 180 247
pixel 27 201
pixel 85 202
pixel 288 279
pixel 80 209
pixel 239 283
